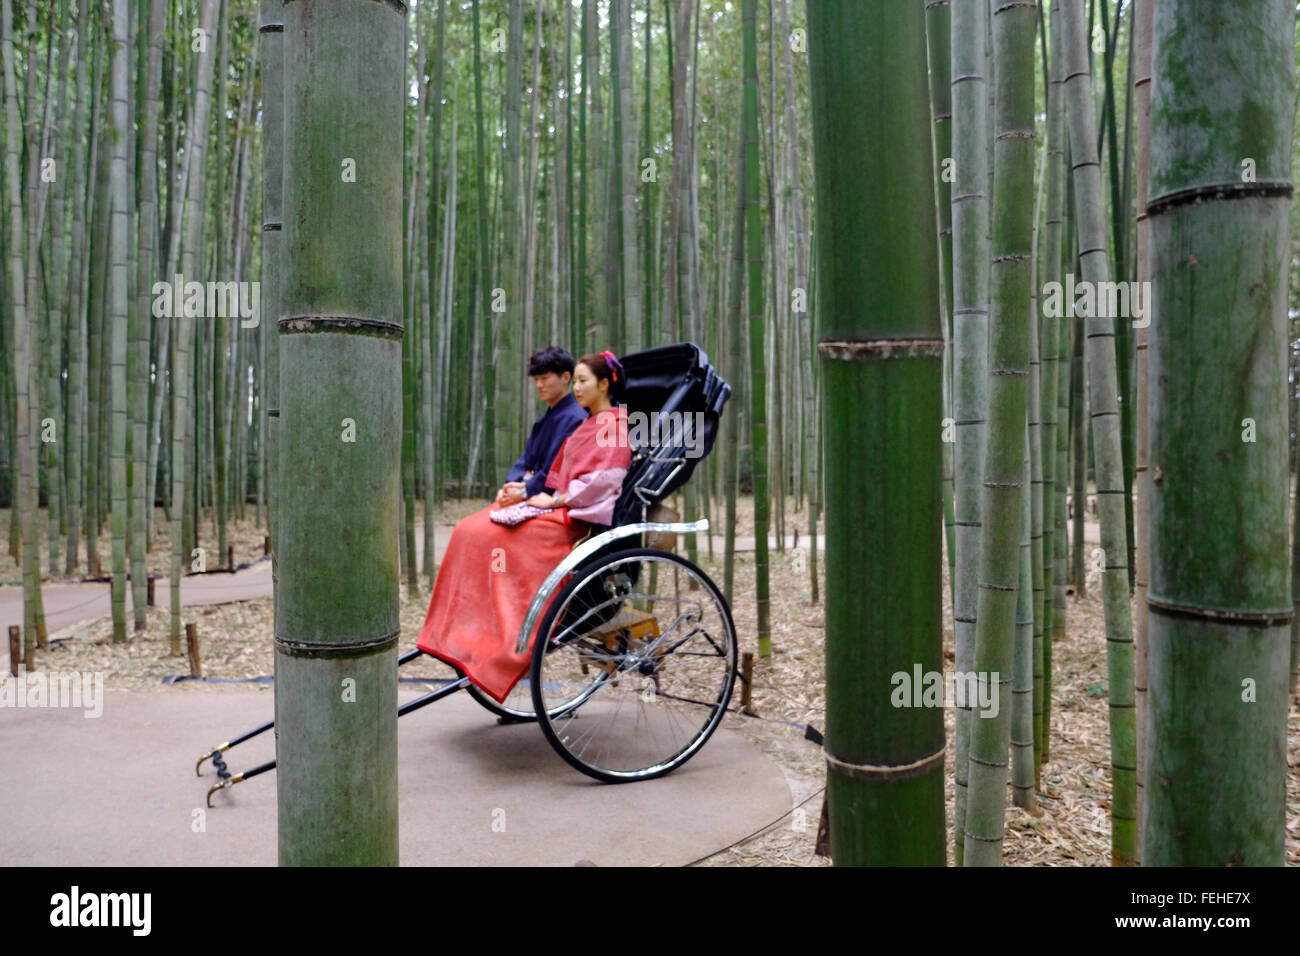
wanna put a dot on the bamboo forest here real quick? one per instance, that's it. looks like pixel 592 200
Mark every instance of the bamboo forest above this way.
pixel 900 397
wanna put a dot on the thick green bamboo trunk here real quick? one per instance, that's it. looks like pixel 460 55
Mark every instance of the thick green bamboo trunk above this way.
pixel 880 348
pixel 118 300
pixel 1102 400
pixel 970 322
pixel 758 394
pixel 341 408
pixel 1222 107
pixel 1010 314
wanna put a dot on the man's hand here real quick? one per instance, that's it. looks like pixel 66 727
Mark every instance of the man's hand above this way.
pixel 511 492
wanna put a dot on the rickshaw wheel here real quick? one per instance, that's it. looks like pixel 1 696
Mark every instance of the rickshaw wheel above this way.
pixel 642 659
pixel 518 705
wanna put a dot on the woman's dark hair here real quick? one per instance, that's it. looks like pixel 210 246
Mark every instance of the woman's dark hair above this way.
pixel 550 359
pixel 610 371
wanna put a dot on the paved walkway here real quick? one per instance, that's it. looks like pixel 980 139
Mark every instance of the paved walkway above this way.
pixel 120 789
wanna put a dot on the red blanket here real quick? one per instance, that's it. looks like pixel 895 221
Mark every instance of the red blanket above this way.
pixel 491 572
pixel 486 581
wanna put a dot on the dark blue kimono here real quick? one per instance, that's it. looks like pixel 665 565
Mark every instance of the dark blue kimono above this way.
pixel 548 434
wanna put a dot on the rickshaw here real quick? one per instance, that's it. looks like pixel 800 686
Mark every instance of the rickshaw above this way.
pixel 635 657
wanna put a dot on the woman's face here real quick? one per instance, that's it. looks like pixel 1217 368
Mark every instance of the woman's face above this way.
pixel 587 389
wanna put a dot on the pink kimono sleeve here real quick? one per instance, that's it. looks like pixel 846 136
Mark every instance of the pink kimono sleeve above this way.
pixel 592 496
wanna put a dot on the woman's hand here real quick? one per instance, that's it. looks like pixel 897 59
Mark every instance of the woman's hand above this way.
pixel 544 500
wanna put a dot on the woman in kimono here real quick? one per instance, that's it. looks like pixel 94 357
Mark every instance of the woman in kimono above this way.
pixel 491 571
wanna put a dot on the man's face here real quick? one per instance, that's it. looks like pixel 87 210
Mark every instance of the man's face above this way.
pixel 551 387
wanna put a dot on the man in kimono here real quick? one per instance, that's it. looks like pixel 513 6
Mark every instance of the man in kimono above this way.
pixel 551 369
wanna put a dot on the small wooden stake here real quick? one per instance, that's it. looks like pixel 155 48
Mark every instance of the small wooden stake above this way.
pixel 823 846
pixel 746 686
pixel 266 544
pixel 230 557
pixel 192 642
pixel 15 649
pixel 149 590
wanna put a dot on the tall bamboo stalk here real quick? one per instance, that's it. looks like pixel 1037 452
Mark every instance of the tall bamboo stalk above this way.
pixel 1053 331
pixel 758 395
pixel 591 330
pixel 97 242
pixel 938 25
pixel 183 326
pixel 118 304
pixel 1219 604
pixel 271 35
pixel 1023 766
pixel 145 263
pixel 1119 268
pixel 880 346
pixel 1010 315
pixel 1066 231
pixel 629 181
pixel 488 359
pixel 423 237
pixel 1142 22
pixel 970 319
pixel 336 630
pixel 77 271
pixel 57 297
pixel 25 497
pixel 735 361
pixel 162 394
pixel 509 363
pixel 1102 399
